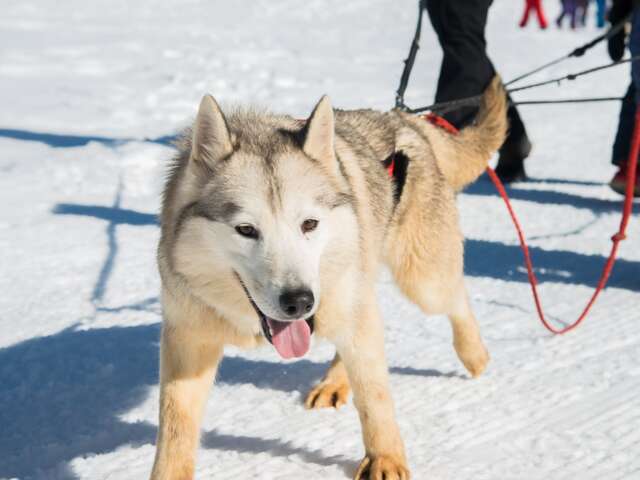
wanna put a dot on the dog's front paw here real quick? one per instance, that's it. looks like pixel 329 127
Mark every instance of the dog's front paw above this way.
pixel 327 394
pixel 382 466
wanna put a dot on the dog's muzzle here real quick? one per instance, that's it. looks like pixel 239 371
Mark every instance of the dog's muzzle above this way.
pixel 264 324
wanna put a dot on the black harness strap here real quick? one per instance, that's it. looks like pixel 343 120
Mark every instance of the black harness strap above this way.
pixel 411 59
pixel 397 165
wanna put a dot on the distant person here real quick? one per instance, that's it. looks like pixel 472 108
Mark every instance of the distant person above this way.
pixel 536 7
pixel 601 13
pixel 583 7
pixel 622 144
pixel 569 8
pixel 576 10
pixel 466 71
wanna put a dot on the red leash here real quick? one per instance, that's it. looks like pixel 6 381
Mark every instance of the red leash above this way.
pixel 616 239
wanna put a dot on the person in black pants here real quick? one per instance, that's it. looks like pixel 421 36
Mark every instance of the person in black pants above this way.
pixel 621 146
pixel 467 70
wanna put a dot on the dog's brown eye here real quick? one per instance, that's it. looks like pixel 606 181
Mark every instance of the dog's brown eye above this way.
pixel 309 225
pixel 247 230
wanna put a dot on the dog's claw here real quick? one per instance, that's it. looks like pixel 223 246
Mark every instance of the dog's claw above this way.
pixel 327 394
pixel 382 467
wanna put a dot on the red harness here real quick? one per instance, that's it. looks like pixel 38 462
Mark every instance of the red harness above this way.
pixel 435 120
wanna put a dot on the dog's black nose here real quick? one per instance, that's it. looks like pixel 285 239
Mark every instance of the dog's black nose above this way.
pixel 296 303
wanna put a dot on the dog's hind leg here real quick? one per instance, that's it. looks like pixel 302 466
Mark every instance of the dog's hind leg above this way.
pixel 466 333
pixel 428 295
pixel 333 390
pixel 188 364
pixel 429 273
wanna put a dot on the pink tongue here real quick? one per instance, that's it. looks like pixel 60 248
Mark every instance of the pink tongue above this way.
pixel 291 339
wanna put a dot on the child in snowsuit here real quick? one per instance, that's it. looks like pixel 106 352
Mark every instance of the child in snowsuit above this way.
pixel 573 8
pixel 568 8
pixel 536 6
pixel 601 13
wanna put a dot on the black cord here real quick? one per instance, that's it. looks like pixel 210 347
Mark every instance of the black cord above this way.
pixel 568 100
pixel 573 76
pixel 444 107
pixel 410 60
pixel 577 52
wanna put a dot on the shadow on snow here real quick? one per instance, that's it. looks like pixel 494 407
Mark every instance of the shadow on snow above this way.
pixel 62 394
pixel 65 141
pixel 482 258
pixel 484 187
pixel 506 262
pixel 114 214
pixel 62 397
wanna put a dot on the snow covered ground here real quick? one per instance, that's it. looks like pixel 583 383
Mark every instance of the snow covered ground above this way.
pixel 90 93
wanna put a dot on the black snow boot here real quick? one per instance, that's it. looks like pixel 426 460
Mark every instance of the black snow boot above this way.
pixel 510 166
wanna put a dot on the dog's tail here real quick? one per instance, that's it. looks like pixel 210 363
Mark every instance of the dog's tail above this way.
pixel 465 156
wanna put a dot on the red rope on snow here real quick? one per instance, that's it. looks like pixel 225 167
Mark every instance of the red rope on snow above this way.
pixel 616 239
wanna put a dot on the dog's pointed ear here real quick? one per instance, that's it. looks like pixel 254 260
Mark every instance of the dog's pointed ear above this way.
pixel 211 138
pixel 319 141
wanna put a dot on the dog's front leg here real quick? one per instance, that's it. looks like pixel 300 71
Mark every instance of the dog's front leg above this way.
pixel 188 362
pixel 363 355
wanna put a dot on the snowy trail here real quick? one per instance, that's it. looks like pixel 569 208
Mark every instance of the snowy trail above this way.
pixel 90 96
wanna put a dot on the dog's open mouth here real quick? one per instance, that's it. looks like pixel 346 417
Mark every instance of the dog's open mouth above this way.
pixel 291 339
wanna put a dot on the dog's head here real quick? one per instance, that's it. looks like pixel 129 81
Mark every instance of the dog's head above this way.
pixel 266 206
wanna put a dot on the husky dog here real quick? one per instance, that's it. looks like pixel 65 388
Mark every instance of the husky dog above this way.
pixel 274 228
